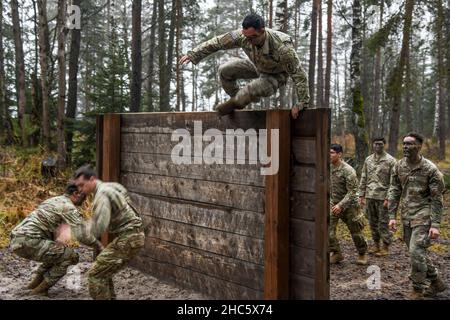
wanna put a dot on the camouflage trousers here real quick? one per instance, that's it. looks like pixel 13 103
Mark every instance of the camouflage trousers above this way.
pixel 262 85
pixel 422 269
pixel 113 258
pixel 355 225
pixel 55 257
pixel 378 217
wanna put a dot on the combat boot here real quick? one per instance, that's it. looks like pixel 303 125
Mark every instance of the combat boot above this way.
pixel 384 251
pixel 362 259
pixel 41 289
pixel 435 287
pixel 36 281
pixel 374 248
pixel 336 258
pixel 228 107
pixel 415 294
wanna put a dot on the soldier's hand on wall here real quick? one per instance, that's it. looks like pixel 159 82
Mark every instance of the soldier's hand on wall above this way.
pixel 393 225
pixel 185 59
pixel 362 201
pixel 433 233
pixel 385 203
pixel 294 112
pixel 336 210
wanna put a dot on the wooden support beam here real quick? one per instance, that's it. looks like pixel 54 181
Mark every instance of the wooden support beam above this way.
pixel 276 245
pixel 110 166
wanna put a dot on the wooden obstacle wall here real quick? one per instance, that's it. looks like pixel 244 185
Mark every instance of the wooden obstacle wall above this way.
pixel 226 230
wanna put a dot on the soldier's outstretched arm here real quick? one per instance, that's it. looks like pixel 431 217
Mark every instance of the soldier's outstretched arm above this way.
pixel 437 187
pixel 230 40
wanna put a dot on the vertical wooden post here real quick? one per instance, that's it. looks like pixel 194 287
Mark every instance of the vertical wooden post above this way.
pixel 99 145
pixel 322 125
pixel 276 245
pixel 110 168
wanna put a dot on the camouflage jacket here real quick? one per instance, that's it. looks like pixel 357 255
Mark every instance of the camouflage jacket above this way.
pixel 112 208
pixel 277 55
pixel 417 192
pixel 344 186
pixel 375 176
pixel 49 215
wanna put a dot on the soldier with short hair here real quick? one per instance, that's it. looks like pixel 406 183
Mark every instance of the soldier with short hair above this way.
pixel 271 60
pixel 373 188
pixel 416 190
pixel 344 206
pixel 33 238
pixel 112 212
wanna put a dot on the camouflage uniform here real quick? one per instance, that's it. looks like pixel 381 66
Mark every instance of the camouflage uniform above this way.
pixel 33 237
pixel 374 185
pixel 269 66
pixel 417 192
pixel 344 185
pixel 112 209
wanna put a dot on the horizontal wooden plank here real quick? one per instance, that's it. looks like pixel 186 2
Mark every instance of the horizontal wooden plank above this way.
pixel 218 193
pixel 303 205
pixel 227 269
pixel 168 121
pixel 214 217
pixel 303 179
pixel 302 233
pixel 163 165
pixel 304 150
pixel 210 286
pixel 302 261
pixel 215 241
pixel 302 288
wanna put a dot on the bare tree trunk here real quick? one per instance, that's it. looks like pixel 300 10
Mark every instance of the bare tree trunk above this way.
pixel 20 70
pixel 151 57
pixel 162 55
pixel 447 40
pixel 43 53
pixel 358 124
pixel 377 88
pixel 329 53
pixel 271 14
pixel 169 63
pixel 73 86
pixel 396 82
pixel 282 16
pixel 320 60
pixel 136 57
pixel 61 29
pixel 441 78
pixel 312 52
pixel 178 50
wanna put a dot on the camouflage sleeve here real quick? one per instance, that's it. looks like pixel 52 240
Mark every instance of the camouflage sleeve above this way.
pixel 101 214
pixel 363 181
pixel 291 64
pixel 437 188
pixel 78 227
pixel 351 184
pixel 394 193
pixel 225 41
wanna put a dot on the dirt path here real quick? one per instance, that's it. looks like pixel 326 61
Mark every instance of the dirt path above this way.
pixel 16 272
pixel 348 280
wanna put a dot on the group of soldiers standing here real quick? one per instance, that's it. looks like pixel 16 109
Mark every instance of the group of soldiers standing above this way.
pixel 413 186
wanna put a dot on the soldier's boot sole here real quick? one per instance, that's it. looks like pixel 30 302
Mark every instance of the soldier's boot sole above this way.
pixel 36 281
pixel 435 287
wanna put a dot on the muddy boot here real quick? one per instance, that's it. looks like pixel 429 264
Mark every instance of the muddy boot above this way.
pixel 362 259
pixel 384 251
pixel 336 258
pixel 228 107
pixel 435 287
pixel 415 294
pixel 41 289
pixel 36 281
pixel 374 248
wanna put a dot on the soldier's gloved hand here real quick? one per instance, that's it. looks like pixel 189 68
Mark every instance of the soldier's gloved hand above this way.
pixel 433 233
pixel 393 225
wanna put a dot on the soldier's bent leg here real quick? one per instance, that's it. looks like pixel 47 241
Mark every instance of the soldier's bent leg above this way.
pixel 264 86
pixel 372 216
pixel 235 69
pixel 355 225
pixel 333 241
pixel 421 266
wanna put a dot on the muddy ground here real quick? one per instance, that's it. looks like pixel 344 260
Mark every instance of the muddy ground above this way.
pixel 129 283
pixel 349 281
